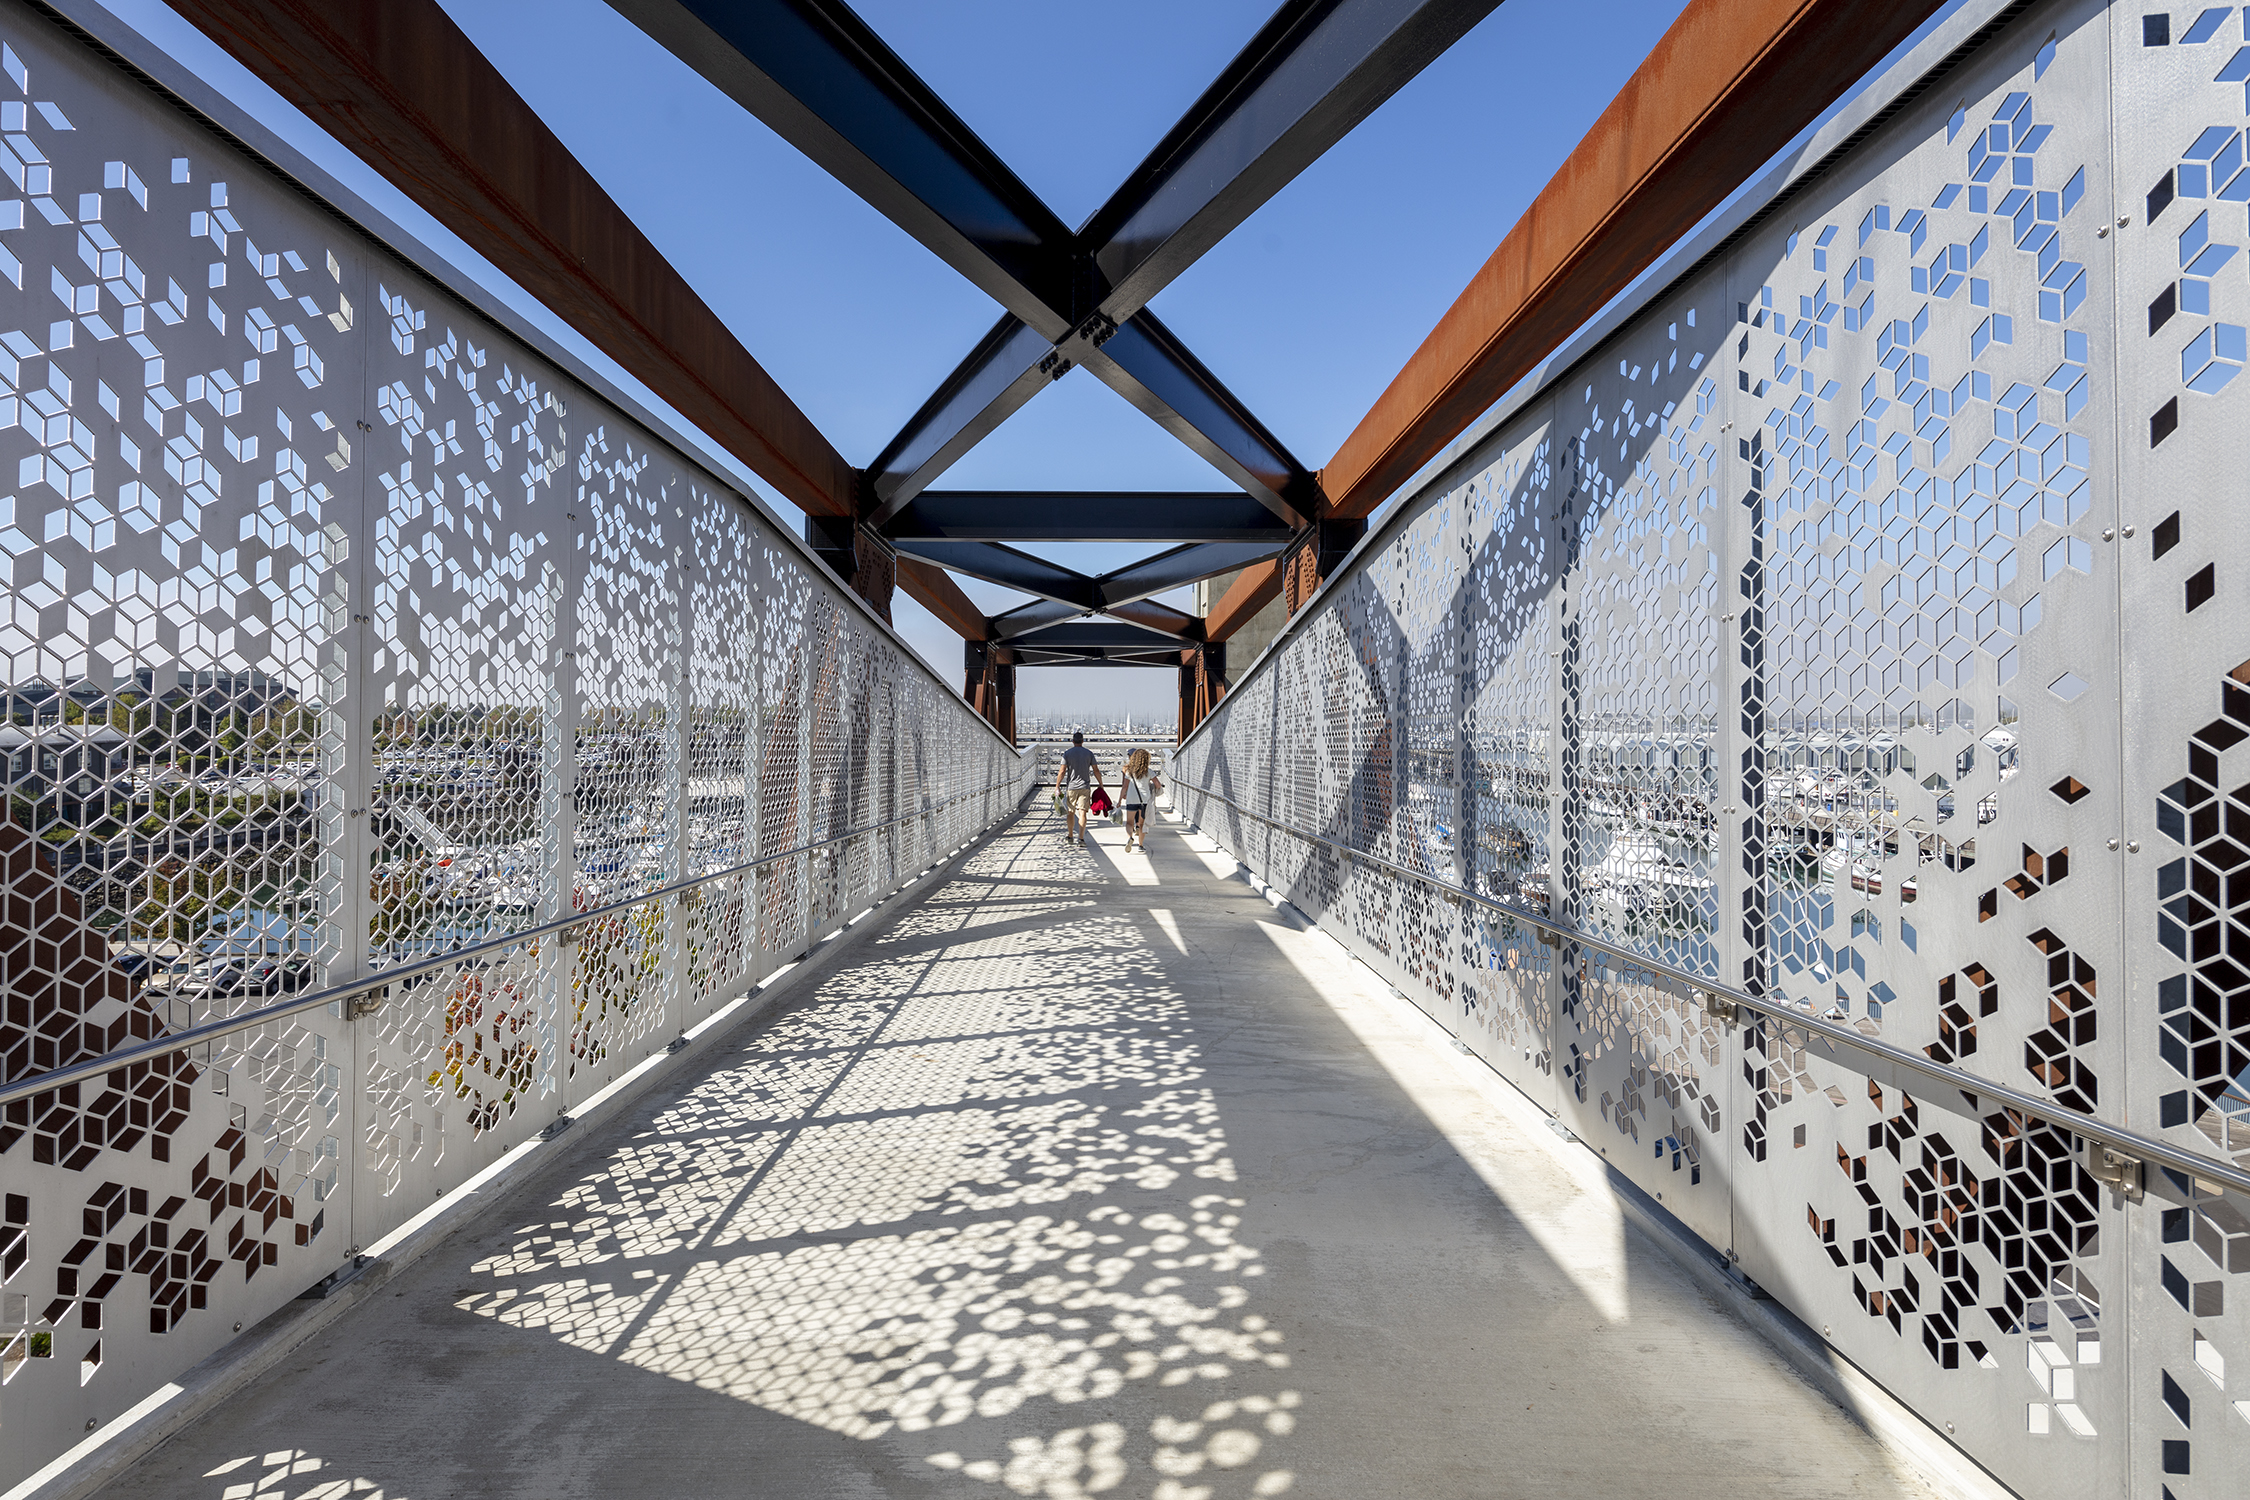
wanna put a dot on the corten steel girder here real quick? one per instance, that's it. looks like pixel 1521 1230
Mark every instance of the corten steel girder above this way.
pixel 400 84
pixel 1730 84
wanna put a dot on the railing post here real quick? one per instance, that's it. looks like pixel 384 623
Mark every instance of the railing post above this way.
pixel 559 777
pixel 347 819
pixel 678 965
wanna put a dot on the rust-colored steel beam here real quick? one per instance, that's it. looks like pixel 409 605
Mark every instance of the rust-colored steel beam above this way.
pixel 935 590
pixel 400 84
pixel 1252 590
pixel 1729 85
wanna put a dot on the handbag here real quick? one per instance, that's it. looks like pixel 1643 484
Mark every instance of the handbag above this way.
pixel 1101 803
pixel 1061 807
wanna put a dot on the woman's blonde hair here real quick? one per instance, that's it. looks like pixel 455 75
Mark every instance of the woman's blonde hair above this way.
pixel 1136 764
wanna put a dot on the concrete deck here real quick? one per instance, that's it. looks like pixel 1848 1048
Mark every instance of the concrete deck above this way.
pixel 1093 1174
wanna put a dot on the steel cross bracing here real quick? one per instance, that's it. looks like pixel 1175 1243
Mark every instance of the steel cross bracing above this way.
pixel 821 78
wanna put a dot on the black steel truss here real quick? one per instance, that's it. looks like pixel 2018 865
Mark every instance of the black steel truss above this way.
pixel 1011 567
pixel 1099 658
pixel 1043 614
pixel 1039 614
pixel 822 80
pixel 1314 70
pixel 1092 635
pixel 1086 516
pixel 815 73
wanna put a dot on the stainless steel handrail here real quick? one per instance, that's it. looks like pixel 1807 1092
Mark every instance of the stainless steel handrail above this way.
pixel 178 1041
pixel 2089 1127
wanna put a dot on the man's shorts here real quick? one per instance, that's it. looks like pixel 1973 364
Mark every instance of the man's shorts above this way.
pixel 1080 799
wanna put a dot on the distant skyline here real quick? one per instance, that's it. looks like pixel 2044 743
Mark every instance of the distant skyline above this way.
pixel 1306 311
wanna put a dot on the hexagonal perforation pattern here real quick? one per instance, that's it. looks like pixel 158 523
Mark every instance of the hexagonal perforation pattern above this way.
pixel 1947 473
pixel 344 631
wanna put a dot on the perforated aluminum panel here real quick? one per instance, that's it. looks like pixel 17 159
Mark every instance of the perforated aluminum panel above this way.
pixel 1897 672
pixel 2183 1046
pixel 344 630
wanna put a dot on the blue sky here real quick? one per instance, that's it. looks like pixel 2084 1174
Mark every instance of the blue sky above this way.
pixel 1306 312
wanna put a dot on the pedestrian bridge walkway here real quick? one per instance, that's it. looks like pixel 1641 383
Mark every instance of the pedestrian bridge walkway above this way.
pixel 1089 1173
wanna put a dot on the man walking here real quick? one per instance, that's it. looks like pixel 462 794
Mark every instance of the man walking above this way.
pixel 1076 779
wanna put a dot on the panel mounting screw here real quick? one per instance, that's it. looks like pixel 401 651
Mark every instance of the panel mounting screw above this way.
pixel 2123 220
pixel 2128 531
pixel 2108 535
pixel 2102 233
pixel 2132 846
pixel 2113 843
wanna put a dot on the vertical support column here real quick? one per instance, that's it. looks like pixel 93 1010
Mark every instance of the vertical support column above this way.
pixel 1565 887
pixel 754 730
pixel 1203 672
pixel 863 560
pixel 1746 775
pixel 1738 780
pixel 1186 693
pixel 346 823
pixel 976 675
pixel 679 975
pixel 1314 557
pixel 557 958
pixel 1004 684
pixel 988 681
pixel 803 865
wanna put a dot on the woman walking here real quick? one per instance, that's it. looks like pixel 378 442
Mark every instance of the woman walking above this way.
pixel 1141 786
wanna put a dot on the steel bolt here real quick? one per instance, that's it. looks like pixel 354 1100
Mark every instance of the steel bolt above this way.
pixel 2113 843
pixel 2133 846
pixel 2108 535
pixel 2128 531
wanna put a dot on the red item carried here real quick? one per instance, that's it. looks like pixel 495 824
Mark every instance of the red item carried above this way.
pixel 1100 804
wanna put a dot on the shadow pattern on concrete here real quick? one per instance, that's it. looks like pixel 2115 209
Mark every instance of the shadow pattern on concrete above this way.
pixel 968 1218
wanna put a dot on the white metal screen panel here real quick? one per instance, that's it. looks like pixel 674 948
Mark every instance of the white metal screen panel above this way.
pixel 344 630
pixel 1882 656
